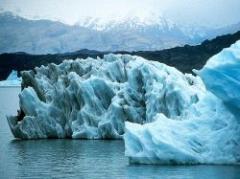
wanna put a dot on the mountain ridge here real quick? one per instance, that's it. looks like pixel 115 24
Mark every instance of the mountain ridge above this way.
pixel 45 36
pixel 183 58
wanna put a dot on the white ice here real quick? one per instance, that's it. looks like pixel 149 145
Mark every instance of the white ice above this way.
pixel 92 98
pixel 209 130
pixel 221 76
pixel 12 80
pixel 167 117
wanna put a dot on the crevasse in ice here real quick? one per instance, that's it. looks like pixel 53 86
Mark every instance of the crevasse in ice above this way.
pixel 208 131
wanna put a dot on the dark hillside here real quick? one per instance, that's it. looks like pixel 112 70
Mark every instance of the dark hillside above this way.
pixel 183 58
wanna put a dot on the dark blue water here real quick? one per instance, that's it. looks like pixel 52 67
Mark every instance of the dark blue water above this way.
pixel 82 158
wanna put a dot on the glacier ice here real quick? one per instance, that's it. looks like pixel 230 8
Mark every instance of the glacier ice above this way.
pixel 12 80
pixel 92 98
pixel 210 135
pixel 221 76
pixel 164 116
pixel 209 130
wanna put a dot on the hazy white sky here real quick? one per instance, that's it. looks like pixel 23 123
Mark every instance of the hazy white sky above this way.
pixel 201 12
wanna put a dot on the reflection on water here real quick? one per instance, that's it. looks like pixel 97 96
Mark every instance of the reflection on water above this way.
pixel 68 158
pixel 81 158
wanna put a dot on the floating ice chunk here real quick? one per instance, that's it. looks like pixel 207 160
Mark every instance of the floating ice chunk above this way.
pixel 209 130
pixel 221 75
pixel 92 98
pixel 210 137
pixel 12 80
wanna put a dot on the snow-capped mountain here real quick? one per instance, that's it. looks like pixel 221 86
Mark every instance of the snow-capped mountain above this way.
pixel 159 23
pixel 132 22
pixel 128 34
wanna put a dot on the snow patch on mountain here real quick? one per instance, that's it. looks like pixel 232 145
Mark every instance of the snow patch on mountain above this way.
pixel 132 22
pixel 125 34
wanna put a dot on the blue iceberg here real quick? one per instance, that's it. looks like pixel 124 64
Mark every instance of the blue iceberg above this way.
pixel 12 80
pixel 209 130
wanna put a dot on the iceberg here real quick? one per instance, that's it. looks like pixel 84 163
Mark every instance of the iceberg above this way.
pixel 163 115
pixel 92 98
pixel 12 80
pixel 221 76
pixel 209 130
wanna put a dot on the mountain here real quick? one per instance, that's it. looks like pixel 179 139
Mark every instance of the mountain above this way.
pixel 45 36
pixel 183 58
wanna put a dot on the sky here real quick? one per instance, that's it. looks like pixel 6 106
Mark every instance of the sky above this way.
pixel 197 12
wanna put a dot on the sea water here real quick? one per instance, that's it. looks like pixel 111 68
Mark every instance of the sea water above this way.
pixel 65 158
